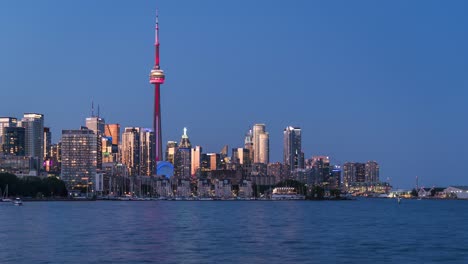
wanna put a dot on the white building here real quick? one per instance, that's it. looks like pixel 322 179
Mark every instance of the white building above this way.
pixel 460 192
pixel 223 189
pixel 245 189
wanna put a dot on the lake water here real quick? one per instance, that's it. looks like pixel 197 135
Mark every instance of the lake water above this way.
pixel 362 231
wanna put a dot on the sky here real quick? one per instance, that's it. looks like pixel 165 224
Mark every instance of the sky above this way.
pixel 365 80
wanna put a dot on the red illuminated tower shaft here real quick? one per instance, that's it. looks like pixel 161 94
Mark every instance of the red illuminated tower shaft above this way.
pixel 157 78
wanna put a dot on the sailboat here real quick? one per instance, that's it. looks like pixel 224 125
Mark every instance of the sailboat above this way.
pixel 5 195
pixel 399 200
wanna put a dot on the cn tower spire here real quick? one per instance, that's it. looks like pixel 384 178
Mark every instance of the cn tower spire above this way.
pixel 156 42
pixel 157 78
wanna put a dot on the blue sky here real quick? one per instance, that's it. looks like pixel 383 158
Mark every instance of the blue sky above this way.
pixel 365 80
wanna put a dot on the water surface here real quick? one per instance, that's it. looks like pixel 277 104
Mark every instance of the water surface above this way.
pixel 363 231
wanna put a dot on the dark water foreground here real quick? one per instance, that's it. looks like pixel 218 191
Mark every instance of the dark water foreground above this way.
pixel 362 231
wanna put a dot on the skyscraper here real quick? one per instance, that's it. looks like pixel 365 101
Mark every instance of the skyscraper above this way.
pixel 14 141
pixel 47 142
pixel 241 156
pixel 171 149
pixel 372 171
pixel 113 131
pixel 33 124
pixel 79 158
pixel 6 122
pixel 137 151
pixel 157 78
pixel 248 144
pixel 353 172
pixel 147 165
pixel 261 144
pixel 292 151
pixel 96 124
pixel 196 159
pixel 182 162
pixel 130 151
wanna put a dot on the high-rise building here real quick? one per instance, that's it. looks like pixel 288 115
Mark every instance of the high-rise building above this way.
pixel 157 78
pixel 248 144
pixel 214 160
pixel 33 124
pixel 353 172
pixel 182 162
pixel 130 151
pixel 14 141
pixel 292 151
pixel 147 165
pixel 96 124
pixel 372 171
pixel 360 172
pixel 196 159
pixel 241 156
pixel 6 122
pixel 79 158
pixel 136 151
pixel 261 144
pixel 113 131
pixel 171 149
pixel 320 170
pixel 47 142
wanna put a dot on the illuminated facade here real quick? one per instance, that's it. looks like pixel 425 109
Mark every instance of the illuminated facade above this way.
pixel 261 144
pixel 292 150
pixel 6 122
pixel 47 142
pixel 196 160
pixel 14 141
pixel 112 131
pixel 136 151
pixel 79 158
pixel 182 162
pixel 372 171
pixel 33 124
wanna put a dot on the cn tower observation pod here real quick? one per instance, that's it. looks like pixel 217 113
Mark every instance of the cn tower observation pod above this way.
pixel 165 169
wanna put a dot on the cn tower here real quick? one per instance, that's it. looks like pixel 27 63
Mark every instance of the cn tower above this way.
pixel 157 78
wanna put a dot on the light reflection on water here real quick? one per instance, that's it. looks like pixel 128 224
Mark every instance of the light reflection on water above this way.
pixel 363 231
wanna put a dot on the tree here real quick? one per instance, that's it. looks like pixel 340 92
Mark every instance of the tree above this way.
pixel 414 193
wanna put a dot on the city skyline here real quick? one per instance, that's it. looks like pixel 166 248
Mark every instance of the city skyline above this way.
pixel 394 136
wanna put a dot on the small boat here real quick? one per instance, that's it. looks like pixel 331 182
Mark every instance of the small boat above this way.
pixel 5 195
pixel 399 200
pixel 18 202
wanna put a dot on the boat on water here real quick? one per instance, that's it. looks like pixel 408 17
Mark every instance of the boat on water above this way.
pixel 286 193
pixel 5 195
pixel 18 202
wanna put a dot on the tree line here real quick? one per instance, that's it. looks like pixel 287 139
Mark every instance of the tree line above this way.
pixel 32 186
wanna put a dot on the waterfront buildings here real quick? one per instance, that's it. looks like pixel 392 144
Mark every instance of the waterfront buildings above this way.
pixel 372 171
pixel 292 150
pixel 79 158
